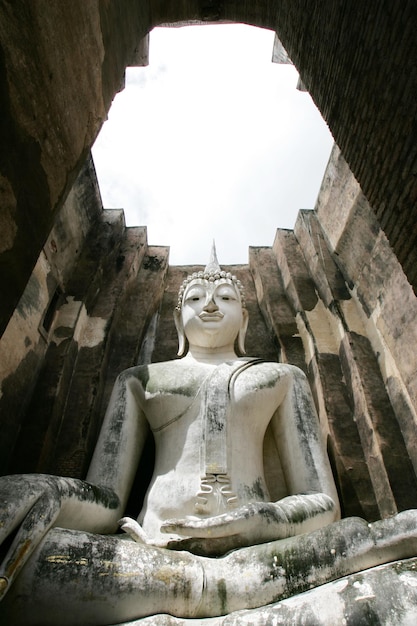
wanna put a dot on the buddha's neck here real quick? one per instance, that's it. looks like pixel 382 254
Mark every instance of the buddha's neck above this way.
pixel 211 356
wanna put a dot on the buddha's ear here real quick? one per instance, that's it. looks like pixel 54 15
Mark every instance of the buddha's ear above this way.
pixel 180 331
pixel 242 332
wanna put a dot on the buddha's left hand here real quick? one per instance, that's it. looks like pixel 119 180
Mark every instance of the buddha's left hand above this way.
pixel 258 522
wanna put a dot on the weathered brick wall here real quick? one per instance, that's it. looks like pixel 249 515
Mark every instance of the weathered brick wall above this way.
pixel 25 342
pixel 62 63
pixel 365 92
pixel 354 311
pixel 376 280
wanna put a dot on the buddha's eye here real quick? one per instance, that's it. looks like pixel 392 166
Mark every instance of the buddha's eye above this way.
pixel 225 298
pixel 194 295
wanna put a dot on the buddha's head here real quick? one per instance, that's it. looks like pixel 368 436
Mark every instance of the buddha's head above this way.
pixel 211 311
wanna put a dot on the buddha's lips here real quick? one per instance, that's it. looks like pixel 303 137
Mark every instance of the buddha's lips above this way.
pixel 211 317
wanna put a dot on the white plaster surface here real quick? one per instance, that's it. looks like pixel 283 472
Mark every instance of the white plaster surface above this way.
pixel 321 323
pixel 89 331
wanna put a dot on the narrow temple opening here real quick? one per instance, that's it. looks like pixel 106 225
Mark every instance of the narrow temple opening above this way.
pixel 212 140
pixel 48 318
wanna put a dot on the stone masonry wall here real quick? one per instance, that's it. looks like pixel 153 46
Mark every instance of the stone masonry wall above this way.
pixel 342 287
pixel 61 63
pixel 324 297
pixel 24 344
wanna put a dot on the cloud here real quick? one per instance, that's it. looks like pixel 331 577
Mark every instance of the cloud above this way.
pixel 211 140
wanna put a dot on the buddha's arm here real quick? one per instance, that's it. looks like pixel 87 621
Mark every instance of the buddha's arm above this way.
pixel 313 502
pixel 121 439
pixel 33 503
pixel 300 445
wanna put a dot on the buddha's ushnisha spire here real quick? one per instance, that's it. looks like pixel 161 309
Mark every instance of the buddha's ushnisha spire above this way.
pixel 213 266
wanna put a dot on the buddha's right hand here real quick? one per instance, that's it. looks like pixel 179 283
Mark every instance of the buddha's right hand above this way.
pixel 33 503
pixel 134 529
pixel 258 522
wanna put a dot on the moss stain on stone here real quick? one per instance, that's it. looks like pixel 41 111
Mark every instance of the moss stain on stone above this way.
pixel 222 593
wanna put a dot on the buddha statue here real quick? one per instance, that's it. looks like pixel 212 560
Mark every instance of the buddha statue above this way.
pixel 210 539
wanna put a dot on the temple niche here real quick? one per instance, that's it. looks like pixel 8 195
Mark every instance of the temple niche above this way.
pixel 323 297
pixel 334 296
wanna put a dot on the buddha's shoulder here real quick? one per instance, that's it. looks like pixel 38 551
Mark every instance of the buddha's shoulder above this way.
pixel 185 377
pixel 268 373
pixel 174 376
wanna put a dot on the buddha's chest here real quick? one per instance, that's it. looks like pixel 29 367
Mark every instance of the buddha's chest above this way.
pixel 234 393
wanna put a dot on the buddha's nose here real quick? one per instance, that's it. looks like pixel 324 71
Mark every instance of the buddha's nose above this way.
pixel 210 305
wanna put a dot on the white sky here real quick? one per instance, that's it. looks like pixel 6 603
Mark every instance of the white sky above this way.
pixel 212 140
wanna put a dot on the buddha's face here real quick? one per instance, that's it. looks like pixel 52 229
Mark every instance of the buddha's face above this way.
pixel 211 313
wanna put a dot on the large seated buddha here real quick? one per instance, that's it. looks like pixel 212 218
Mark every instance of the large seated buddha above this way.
pixel 212 537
